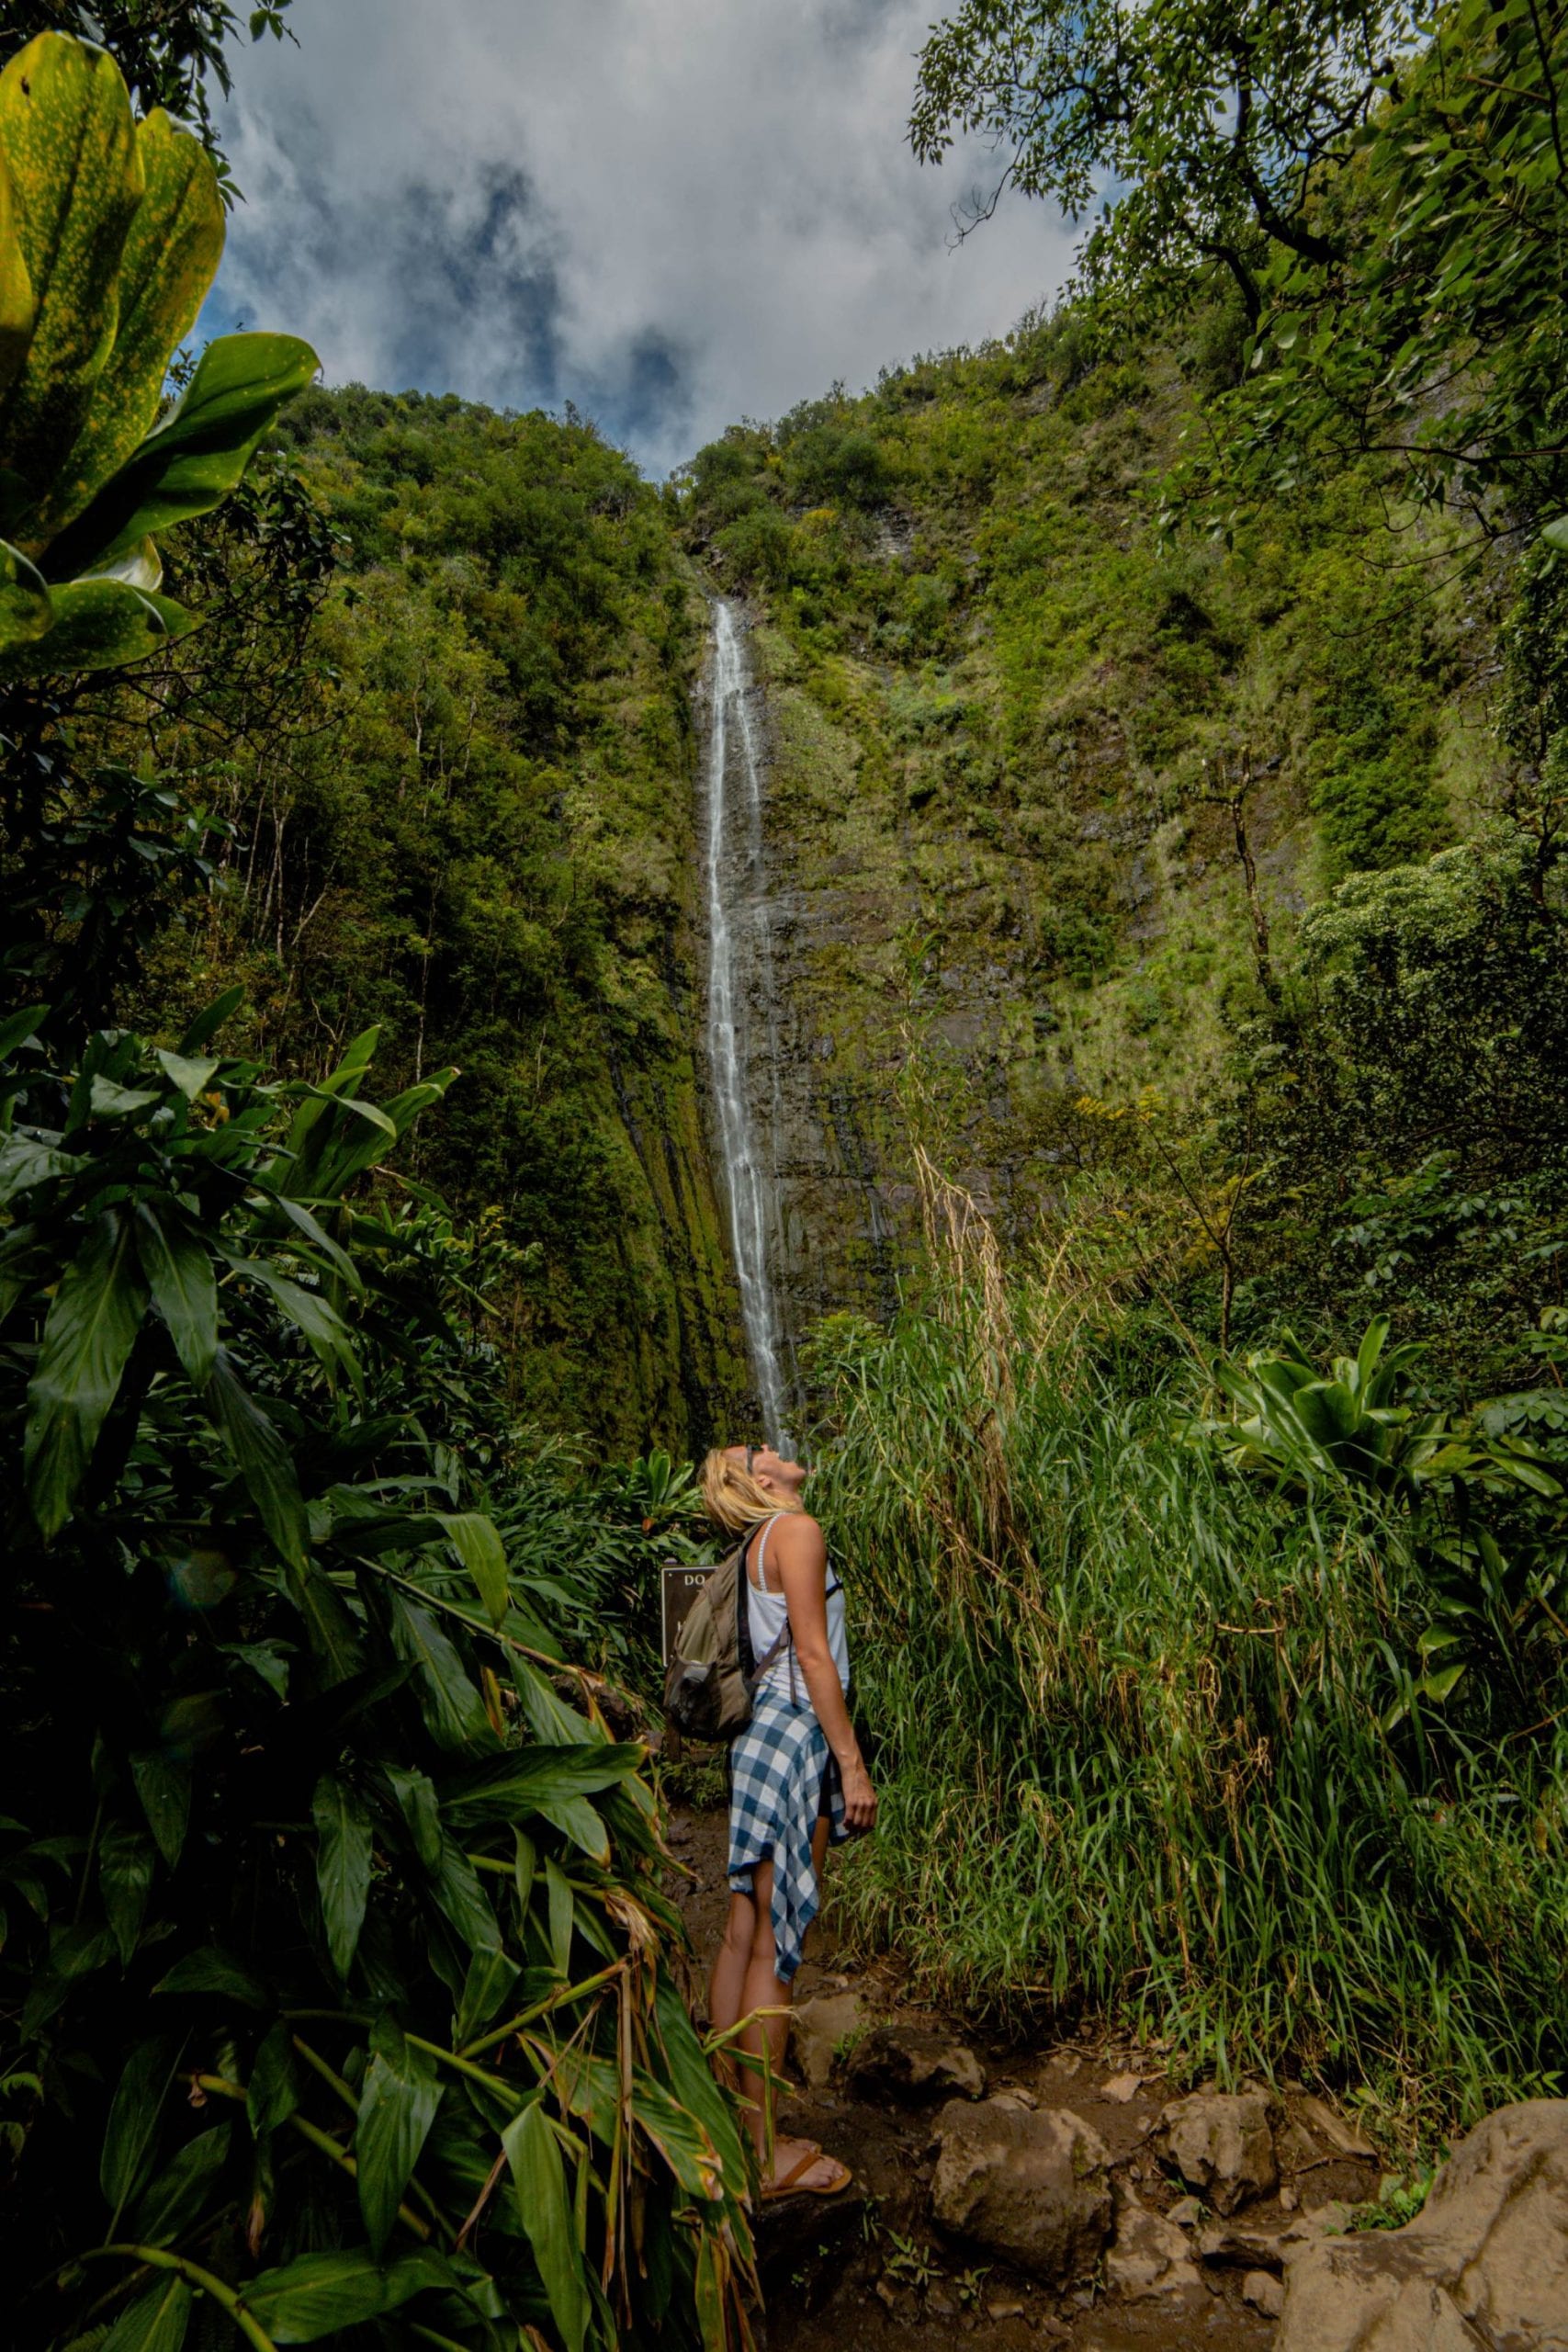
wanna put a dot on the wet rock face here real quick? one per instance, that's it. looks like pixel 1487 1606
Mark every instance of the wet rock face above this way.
pixel 1486 2265
pixel 1222 2144
pixel 1032 2188
pixel 911 2064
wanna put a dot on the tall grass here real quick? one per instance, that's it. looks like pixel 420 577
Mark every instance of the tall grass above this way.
pixel 1128 1712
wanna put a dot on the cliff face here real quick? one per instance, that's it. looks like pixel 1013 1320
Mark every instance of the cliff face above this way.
pixel 1003 720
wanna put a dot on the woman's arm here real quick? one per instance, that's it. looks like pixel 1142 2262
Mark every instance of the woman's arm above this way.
pixel 797 1550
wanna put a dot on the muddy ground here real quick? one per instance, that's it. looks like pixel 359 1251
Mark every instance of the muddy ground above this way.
pixel 869 2267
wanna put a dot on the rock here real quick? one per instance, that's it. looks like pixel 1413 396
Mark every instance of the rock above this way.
pixel 1222 2144
pixel 1297 2150
pixel 1224 2241
pixel 1264 2293
pixel 1334 2130
pixel 1030 2187
pixel 1289 2200
pixel 910 2063
pixel 818 2027
pixel 1148 2255
pixel 1187 2212
pixel 1003 2307
pixel 1122 2088
pixel 1484 2264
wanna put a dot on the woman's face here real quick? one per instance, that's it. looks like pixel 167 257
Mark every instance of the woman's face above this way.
pixel 771 1469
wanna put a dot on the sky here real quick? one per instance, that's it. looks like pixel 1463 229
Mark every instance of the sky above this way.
pixel 672 213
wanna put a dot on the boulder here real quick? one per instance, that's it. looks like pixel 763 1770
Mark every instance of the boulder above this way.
pixel 1264 2292
pixel 1032 2188
pixel 1148 2256
pixel 1484 2264
pixel 1222 2142
pixel 910 2063
pixel 816 2027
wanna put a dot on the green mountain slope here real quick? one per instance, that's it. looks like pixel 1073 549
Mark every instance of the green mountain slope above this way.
pixel 1005 711
pixel 474 827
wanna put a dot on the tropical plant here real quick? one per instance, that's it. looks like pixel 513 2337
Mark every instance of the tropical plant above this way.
pixel 110 233
pixel 337 1969
pixel 169 51
pixel 1354 1425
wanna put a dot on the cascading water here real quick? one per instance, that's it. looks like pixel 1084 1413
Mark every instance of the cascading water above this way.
pixel 739 946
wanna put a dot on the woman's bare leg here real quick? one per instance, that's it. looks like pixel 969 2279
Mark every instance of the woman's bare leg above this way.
pixel 727 1982
pixel 767 2036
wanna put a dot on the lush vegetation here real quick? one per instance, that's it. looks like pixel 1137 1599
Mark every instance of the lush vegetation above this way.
pixel 1257 1687
pixel 1187 671
pixel 1167 718
pixel 338 1976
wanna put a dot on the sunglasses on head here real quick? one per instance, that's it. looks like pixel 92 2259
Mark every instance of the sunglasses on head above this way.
pixel 752 1453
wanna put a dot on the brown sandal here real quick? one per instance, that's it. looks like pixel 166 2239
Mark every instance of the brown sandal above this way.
pixel 794 2184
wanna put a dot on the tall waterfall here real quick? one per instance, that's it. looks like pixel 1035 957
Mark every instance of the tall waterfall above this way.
pixel 739 948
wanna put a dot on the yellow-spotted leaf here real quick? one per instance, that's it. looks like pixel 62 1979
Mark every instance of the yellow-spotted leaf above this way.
pixel 169 259
pixel 26 611
pixel 192 460
pixel 18 309
pixel 70 146
pixel 99 625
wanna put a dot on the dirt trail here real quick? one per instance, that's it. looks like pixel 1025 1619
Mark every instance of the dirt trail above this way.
pixel 870 2268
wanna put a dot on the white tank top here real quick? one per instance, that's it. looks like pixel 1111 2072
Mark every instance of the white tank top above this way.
pixel 767 1616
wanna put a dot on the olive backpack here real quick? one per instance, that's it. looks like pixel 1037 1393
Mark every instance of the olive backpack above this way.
pixel 712 1676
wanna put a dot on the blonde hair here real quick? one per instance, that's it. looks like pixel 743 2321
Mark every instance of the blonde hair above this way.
pixel 734 1496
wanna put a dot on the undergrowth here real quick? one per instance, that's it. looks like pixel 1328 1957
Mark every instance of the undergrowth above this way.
pixel 1146 1742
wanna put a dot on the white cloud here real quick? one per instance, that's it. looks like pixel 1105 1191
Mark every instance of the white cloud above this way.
pixel 674 212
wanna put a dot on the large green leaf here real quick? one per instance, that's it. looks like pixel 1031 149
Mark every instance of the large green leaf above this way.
pixel 99 625
pixel 539 2176
pixel 163 1783
pixel 474 1539
pixel 526 1779
pixel 265 1464
pixel 492 1975
pixel 25 1162
pixel 87 1345
pixel 343 1865
pixel 125 2160
pixel 156 2321
pixel 179 1267
pixel 125 1881
pixel 452 1709
pixel 169 260
pixel 190 462
pixel 26 609
pixel 576 1819
pixel 17 307
pixel 273 2092
pixel 175 2199
pixel 318 2294
pixel 213 1970
pixel 397 2107
pixel 69 147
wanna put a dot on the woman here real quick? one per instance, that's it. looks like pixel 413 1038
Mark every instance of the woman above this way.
pixel 797 1780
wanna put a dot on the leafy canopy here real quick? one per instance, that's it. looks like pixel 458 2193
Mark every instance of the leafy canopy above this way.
pixel 1196 129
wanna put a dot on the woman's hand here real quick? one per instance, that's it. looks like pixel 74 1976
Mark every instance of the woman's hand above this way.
pixel 859 1798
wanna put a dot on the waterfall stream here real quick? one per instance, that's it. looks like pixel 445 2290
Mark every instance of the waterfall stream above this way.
pixel 740 973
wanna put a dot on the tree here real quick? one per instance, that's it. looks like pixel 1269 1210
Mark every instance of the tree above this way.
pixel 170 51
pixel 1431 335
pixel 1201 131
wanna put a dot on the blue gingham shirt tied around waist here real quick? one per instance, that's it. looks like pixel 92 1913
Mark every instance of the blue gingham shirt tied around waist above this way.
pixel 776 1768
